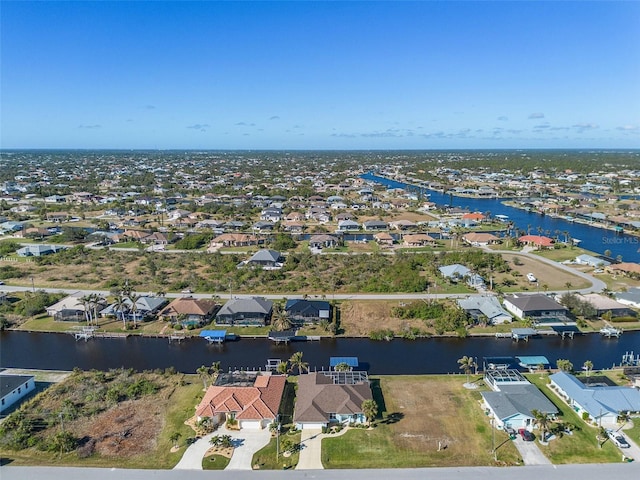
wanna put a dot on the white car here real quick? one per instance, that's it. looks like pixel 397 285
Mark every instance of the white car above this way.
pixel 531 277
pixel 618 439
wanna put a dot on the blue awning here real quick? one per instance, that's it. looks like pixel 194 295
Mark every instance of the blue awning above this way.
pixel 351 361
pixel 533 360
pixel 215 334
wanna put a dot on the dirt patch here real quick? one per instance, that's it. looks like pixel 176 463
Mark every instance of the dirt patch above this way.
pixel 225 452
pixel 358 318
pixel 415 427
pixel 125 430
pixel 553 278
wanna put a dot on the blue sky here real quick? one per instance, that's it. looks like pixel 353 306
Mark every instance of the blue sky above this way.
pixel 327 75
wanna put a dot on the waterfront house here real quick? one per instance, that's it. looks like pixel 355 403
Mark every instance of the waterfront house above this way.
pixel 330 397
pixel 487 307
pixel 13 388
pixel 418 240
pixel 74 308
pixel 323 241
pixel 604 304
pixel 189 311
pixel 591 261
pixel 245 311
pixel 302 311
pixel 537 241
pixel 626 268
pixel 631 297
pixel 537 306
pixel 403 224
pixel 513 399
pixel 383 238
pixel 146 307
pixel 602 404
pixel 251 400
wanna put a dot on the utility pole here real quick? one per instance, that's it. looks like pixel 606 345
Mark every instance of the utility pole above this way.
pixel 277 438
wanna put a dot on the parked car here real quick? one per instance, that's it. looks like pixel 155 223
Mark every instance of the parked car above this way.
pixel 618 439
pixel 531 277
pixel 526 435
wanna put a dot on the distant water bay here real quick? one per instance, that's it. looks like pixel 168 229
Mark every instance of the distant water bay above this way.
pixel 592 238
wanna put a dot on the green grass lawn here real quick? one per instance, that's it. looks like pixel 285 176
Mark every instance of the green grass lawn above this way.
pixel 405 437
pixel 634 433
pixel 581 446
pixel 215 462
pixel 267 458
pixel 562 254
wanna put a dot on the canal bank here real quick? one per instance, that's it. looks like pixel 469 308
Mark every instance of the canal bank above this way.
pixel 592 238
pixel 51 351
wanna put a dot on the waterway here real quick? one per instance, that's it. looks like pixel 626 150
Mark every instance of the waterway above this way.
pixel 592 238
pixel 59 351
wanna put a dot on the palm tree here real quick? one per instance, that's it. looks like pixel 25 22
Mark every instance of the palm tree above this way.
pixel 134 306
pixel 370 410
pixel 564 365
pixel 282 368
pixel 281 320
pixel 568 285
pixel 543 421
pixel 203 372
pixel 587 366
pixel 96 301
pixel 467 364
pixel 175 436
pixel 120 306
pixel 86 305
pixel 296 362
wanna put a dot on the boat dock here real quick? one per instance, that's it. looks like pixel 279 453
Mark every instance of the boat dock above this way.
pixel 83 333
pixel 214 336
pixel 610 332
pixel 284 336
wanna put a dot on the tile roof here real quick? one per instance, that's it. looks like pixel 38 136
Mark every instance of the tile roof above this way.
pixel 260 401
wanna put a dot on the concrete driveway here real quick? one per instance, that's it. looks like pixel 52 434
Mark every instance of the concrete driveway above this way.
pixel 246 443
pixel 310 449
pixel 530 453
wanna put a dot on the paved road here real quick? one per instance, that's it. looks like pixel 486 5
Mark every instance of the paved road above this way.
pixel 617 471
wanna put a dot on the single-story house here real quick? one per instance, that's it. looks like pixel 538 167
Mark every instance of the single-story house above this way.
pixel 254 405
pixel 478 239
pixel 511 403
pixel 626 268
pixel 331 397
pixel 592 261
pixel 302 311
pixel 402 224
pixel 13 388
pixel 245 311
pixel 38 250
pixel 631 297
pixel 145 307
pixel 537 306
pixel 536 241
pixel 375 225
pixel 189 310
pixel 383 238
pixel 346 225
pixel 454 272
pixel 603 304
pixel 603 404
pixel 73 308
pixel 478 306
pixel 234 240
pixel 418 240
pixel 323 241
pixel 266 259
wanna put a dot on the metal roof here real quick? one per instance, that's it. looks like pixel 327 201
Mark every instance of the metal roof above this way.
pixel 351 361
pixel 213 333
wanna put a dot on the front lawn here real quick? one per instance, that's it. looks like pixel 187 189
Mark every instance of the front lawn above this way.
pixel 425 421
pixel 268 457
pixel 579 447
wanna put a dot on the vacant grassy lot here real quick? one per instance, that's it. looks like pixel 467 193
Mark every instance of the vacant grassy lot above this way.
pixel 581 446
pixel 553 278
pixel 418 413
pixel 117 418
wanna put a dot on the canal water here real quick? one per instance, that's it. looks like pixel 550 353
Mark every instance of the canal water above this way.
pixel 592 238
pixel 59 351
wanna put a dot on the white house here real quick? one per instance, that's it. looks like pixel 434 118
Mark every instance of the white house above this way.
pixel 13 388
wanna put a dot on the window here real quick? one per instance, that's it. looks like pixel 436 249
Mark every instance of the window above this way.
pixel 332 416
pixel 19 390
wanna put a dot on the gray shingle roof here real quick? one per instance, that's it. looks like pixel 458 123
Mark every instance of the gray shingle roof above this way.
pixel 518 399
pixel 246 305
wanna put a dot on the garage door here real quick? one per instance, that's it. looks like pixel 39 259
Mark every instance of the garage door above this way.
pixel 251 424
